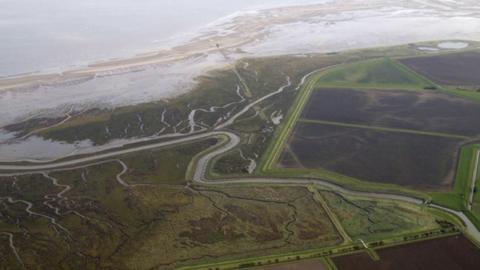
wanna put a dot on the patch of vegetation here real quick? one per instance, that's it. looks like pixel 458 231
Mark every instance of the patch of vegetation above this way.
pixel 381 73
pixel 369 220
pixel 458 198
pixel 476 194
pixel 165 165
pixel 231 164
pixel 96 221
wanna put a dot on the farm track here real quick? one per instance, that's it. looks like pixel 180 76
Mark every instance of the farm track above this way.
pixel 200 169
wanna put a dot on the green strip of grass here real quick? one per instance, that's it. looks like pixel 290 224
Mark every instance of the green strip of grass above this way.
pixel 329 263
pixel 470 95
pixel 387 129
pixel 284 131
pixel 379 73
pixel 476 195
pixel 457 199
pixel 346 181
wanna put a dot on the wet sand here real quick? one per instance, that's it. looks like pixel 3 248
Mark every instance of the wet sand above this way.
pixel 319 28
pixel 247 29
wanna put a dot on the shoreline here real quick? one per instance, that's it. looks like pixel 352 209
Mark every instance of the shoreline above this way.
pixel 243 28
pixel 289 30
pixel 230 32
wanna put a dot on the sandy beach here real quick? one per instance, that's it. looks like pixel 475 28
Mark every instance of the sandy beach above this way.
pixel 246 29
pixel 331 26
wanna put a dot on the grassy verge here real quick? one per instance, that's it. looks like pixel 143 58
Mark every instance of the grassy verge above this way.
pixel 284 130
pixel 458 198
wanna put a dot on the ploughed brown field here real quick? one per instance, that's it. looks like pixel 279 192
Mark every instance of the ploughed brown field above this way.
pixel 459 69
pixel 386 136
pixel 303 265
pixel 385 157
pixel 426 111
pixel 451 253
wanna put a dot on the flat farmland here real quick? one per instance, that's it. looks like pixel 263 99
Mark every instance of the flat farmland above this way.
pixel 450 253
pixel 408 138
pixel 378 156
pixel 370 220
pixel 459 69
pixel 426 111
pixel 303 265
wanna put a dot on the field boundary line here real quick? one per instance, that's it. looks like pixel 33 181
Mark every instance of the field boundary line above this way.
pixel 293 155
pixel 386 129
pixel 333 217
pixel 327 261
pixel 368 87
pixel 445 89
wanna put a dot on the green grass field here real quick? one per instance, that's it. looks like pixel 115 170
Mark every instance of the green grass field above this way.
pixel 370 220
pixel 382 73
pixel 476 198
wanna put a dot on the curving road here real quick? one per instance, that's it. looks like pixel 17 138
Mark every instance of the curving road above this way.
pixel 114 153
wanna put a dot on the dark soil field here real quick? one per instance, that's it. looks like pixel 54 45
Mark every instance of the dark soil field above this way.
pixel 304 265
pixel 377 156
pixel 460 69
pixel 451 253
pixel 426 111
